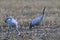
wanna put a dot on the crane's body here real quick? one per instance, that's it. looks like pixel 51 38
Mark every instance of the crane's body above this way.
pixel 37 20
pixel 12 23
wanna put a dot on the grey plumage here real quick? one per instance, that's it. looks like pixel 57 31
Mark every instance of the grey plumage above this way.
pixel 36 21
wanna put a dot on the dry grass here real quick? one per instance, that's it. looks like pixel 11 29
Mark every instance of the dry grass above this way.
pixel 24 11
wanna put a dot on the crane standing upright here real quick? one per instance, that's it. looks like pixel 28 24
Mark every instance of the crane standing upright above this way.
pixel 36 21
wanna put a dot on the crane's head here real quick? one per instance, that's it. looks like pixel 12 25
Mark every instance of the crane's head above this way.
pixel 43 10
pixel 10 17
pixel 30 27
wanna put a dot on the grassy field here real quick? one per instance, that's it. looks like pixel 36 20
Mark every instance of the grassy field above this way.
pixel 24 11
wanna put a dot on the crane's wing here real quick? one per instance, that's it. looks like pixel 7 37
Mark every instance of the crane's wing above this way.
pixel 37 20
pixel 14 21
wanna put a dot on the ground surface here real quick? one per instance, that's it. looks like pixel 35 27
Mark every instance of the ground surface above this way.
pixel 24 11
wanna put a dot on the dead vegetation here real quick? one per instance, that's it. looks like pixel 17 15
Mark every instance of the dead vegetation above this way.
pixel 24 11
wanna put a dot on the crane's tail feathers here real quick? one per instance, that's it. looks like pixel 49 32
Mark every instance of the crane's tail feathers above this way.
pixel 43 10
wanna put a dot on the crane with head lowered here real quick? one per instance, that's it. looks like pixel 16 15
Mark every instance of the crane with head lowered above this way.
pixel 12 23
pixel 36 21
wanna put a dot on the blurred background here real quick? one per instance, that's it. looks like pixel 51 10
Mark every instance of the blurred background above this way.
pixel 26 10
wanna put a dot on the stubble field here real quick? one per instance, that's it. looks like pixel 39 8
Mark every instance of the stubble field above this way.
pixel 26 10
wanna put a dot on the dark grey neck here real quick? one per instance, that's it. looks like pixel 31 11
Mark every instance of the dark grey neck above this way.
pixel 43 10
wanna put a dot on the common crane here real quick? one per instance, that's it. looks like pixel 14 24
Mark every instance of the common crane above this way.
pixel 12 23
pixel 36 21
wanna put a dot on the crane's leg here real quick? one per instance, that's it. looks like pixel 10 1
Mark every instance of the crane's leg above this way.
pixel 10 28
pixel 17 30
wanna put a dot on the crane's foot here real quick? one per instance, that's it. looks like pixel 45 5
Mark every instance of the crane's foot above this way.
pixel 19 34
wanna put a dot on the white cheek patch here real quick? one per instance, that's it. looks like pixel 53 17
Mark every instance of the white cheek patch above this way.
pixel 9 19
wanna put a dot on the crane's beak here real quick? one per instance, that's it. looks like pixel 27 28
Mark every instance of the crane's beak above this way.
pixel 5 21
